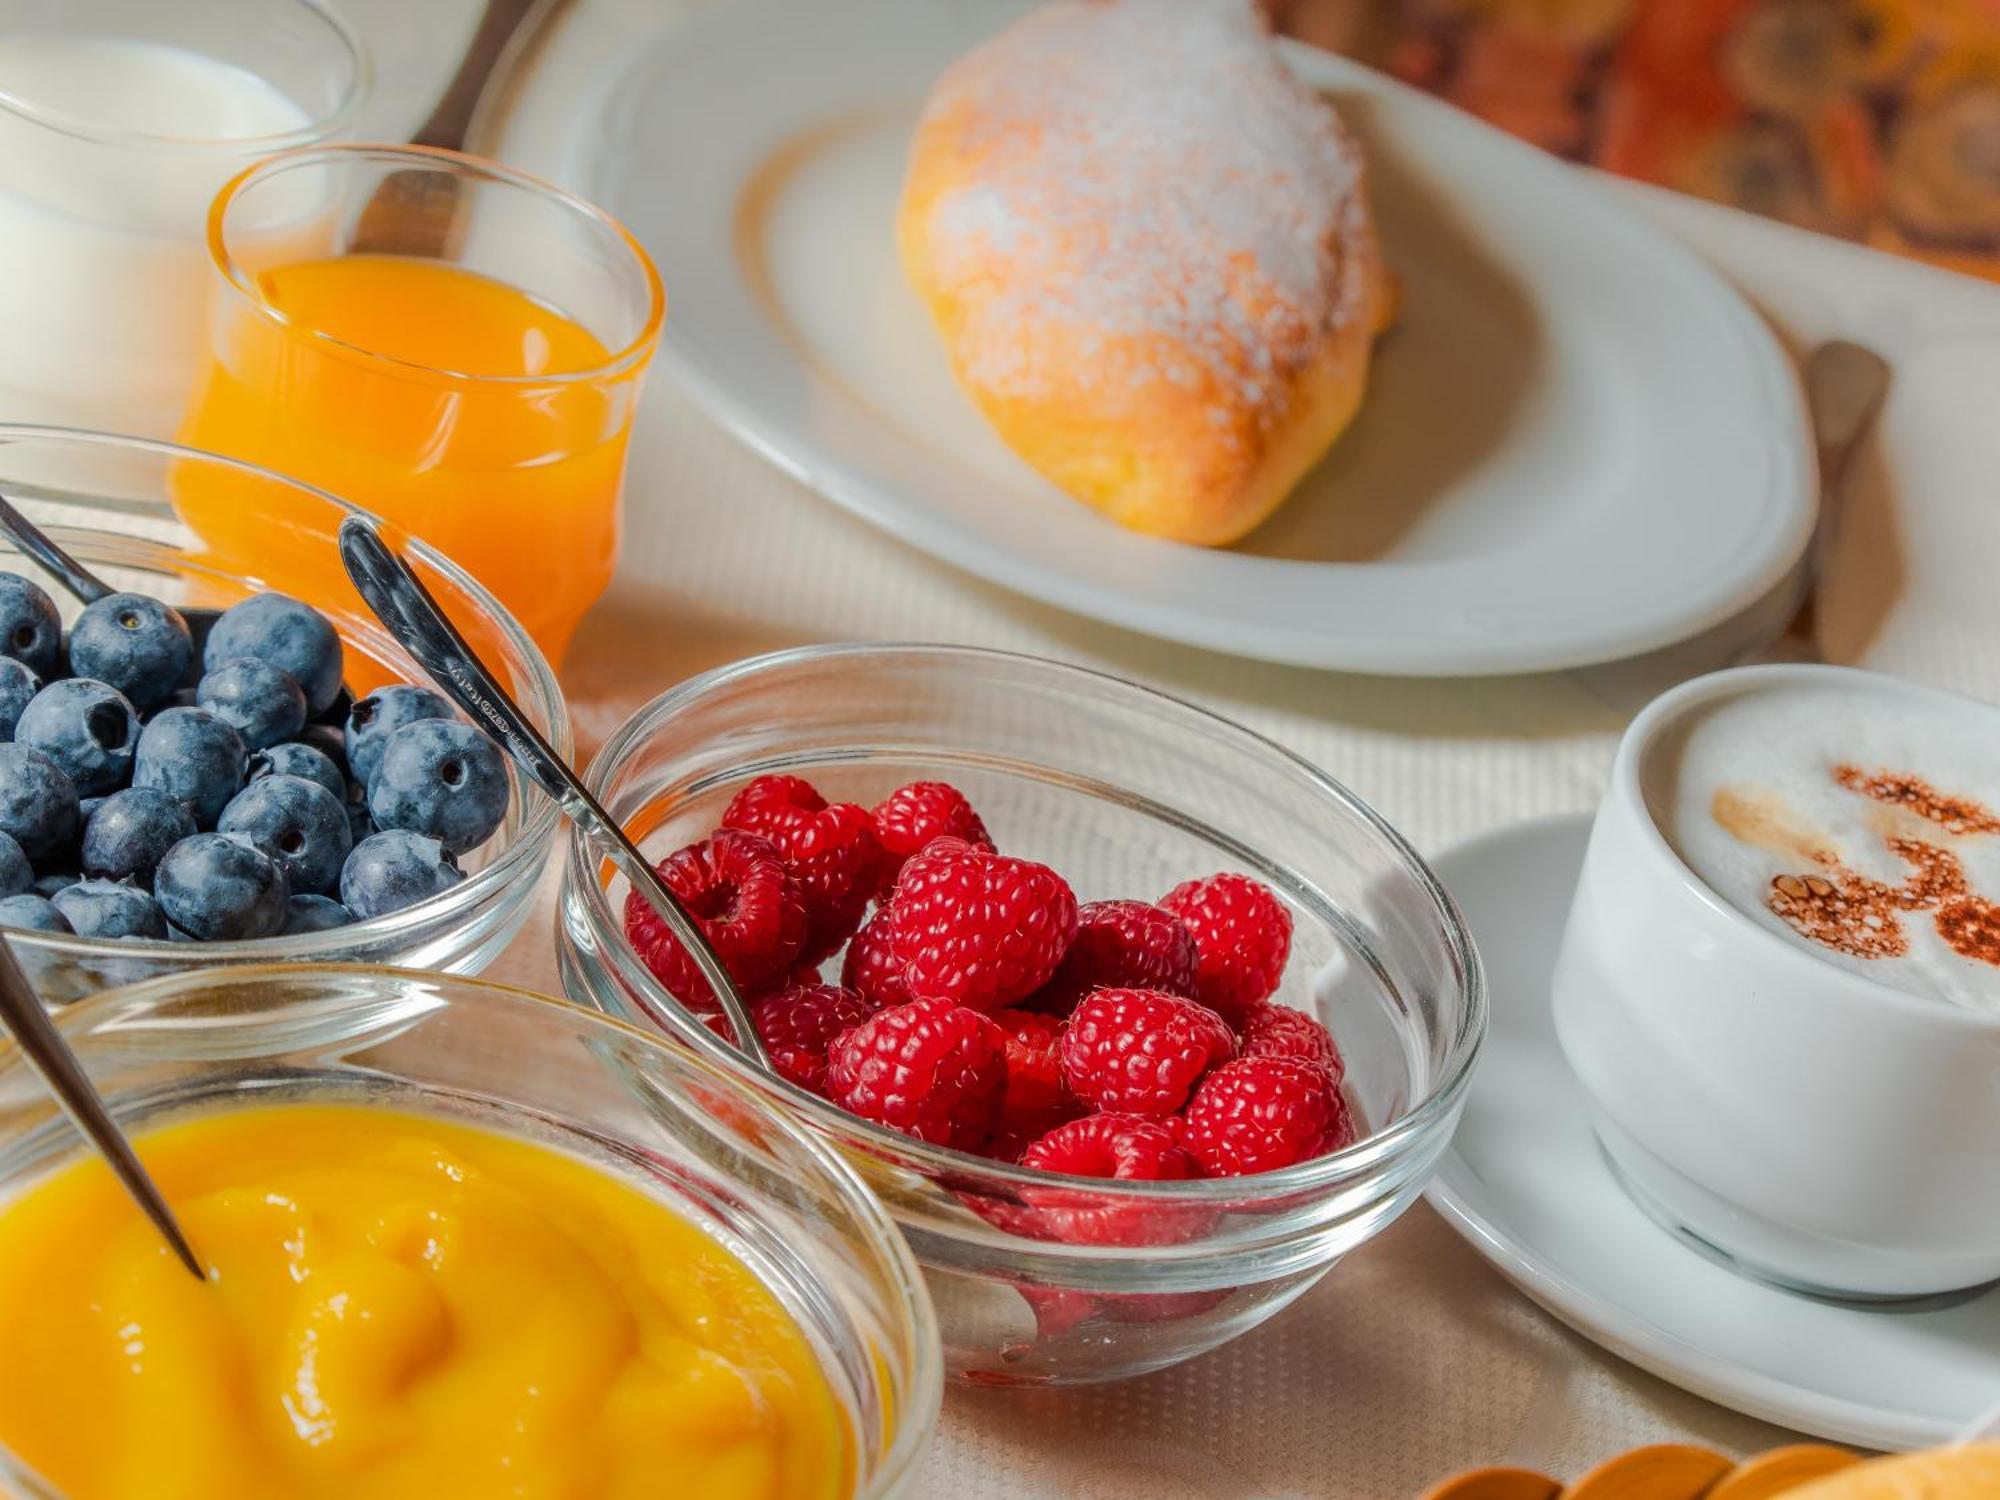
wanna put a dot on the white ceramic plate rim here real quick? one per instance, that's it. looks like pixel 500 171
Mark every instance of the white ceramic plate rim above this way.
pixel 1626 1333
pixel 1543 636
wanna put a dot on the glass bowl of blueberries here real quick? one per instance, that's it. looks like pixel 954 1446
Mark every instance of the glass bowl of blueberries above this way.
pixel 222 758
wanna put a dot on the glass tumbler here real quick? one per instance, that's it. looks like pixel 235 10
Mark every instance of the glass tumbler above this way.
pixel 450 343
pixel 119 120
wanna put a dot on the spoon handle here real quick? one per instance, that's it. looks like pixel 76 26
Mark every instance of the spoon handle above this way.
pixel 35 543
pixel 506 31
pixel 409 613
pixel 22 1013
pixel 1845 388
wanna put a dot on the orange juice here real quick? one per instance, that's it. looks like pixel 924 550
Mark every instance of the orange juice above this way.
pixel 460 407
pixel 398 1307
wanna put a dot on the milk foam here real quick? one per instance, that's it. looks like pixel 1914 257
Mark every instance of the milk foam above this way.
pixel 1749 789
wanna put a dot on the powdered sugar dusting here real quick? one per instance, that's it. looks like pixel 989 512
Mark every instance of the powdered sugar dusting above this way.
pixel 1149 174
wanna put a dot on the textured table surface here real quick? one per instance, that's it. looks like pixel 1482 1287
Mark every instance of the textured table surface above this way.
pixel 1413 1358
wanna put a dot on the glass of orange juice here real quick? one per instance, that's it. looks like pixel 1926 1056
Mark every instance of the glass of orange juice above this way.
pixel 442 340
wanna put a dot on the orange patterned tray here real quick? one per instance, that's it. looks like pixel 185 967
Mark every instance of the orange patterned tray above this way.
pixel 1871 119
pixel 1665 1471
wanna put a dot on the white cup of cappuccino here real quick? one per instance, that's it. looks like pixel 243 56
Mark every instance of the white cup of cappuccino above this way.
pixel 1780 979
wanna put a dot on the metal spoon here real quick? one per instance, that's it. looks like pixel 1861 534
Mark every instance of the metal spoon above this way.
pixel 416 211
pixel 1845 387
pixel 85 586
pixel 66 570
pixel 77 580
pixel 409 613
pixel 25 1018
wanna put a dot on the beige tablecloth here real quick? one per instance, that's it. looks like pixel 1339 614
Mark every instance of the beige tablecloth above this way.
pixel 1413 1358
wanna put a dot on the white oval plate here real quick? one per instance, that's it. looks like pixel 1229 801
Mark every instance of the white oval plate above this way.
pixel 1525 1182
pixel 1578 444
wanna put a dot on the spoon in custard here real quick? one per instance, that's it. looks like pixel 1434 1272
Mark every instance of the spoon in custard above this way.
pixel 27 1021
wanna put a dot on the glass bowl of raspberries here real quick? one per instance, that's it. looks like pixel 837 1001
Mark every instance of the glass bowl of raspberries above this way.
pixel 226 760
pixel 1136 1021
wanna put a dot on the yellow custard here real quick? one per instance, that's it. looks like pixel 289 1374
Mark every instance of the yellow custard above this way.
pixel 398 1307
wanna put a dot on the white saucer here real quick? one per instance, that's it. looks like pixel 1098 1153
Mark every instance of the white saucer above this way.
pixel 1578 444
pixel 1525 1182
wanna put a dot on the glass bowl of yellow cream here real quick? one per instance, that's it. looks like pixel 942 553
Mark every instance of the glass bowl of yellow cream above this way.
pixel 461 1240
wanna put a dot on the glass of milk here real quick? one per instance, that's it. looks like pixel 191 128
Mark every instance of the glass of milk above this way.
pixel 119 122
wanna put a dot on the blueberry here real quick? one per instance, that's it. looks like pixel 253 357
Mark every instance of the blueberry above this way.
pixel 30 628
pixel 329 741
pixel 35 912
pixel 359 824
pixel 315 914
pixel 380 715
pixel 298 759
pixel 139 645
pixel 391 870
pixel 441 778
pixel 199 628
pixel 293 637
pixel 87 728
pixel 131 833
pixel 218 887
pixel 110 909
pixel 37 801
pixel 17 686
pixel 180 697
pixel 263 704
pixel 335 713
pixel 298 823
pixel 55 883
pixel 17 873
pixel 193 756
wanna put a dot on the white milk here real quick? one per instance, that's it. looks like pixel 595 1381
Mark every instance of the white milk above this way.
pixel 1766 796
pixel 104 280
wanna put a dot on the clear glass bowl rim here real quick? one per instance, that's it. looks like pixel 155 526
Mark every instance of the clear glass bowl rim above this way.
pixel 1415 1124
pixel 361 77
pixel 922 1379
pixel 628 360
pixel 538 823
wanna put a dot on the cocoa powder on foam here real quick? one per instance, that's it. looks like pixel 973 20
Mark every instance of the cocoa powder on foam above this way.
pixel 1886 860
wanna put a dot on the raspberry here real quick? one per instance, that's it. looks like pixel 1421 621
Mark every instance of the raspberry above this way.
pixel 911 816
pixel 749 908
pixel 798 1024
pixel 931 1069
pixel 1280 1031
pixel 1007 1144
pixel 871 968
pixel 1163 1307
pixel 1036 1099
pixel 977 928
pixel 774 791
pixel 1121 945
pixel 1262 1113
pixel 1243 933
pixel 830 850
pixel 1125 1148
pixel 1141 1051
pixel 1062 1310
